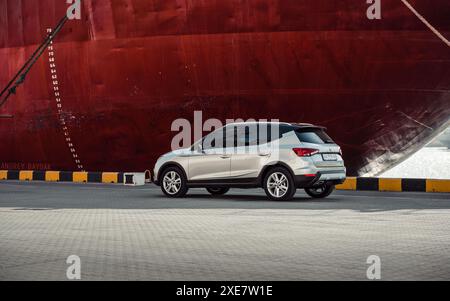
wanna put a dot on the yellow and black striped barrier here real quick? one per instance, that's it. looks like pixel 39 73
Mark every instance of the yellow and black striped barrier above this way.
pixel 364 184
pixel 62 176
pixel 395 185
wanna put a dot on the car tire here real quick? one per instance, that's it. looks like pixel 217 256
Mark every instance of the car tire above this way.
pixel 174 183
pixel 279 184
pixel 320 192
pixel 217 190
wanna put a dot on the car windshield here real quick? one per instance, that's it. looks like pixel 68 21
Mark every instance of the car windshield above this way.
pixel 316 136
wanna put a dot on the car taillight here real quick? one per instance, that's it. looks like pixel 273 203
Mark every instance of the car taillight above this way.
pixel 305 152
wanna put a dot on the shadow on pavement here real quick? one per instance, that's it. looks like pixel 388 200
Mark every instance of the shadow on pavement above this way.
pixel 55 197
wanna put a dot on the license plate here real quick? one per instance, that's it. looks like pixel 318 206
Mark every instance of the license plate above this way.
pixel 329 157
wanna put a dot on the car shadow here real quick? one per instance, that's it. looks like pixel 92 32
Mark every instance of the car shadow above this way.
pixel 244 197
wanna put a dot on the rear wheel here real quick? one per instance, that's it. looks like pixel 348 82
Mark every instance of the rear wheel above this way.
pixel 320 192
pixel 279 184
pixel 173 183
pixel 217 190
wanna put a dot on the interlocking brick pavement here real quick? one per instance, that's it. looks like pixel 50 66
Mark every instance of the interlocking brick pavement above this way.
pixel 123 233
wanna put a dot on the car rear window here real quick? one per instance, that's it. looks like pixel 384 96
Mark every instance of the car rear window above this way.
pixel 317 136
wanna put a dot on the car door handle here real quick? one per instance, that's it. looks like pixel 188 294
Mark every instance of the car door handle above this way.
pixel 225 157
pixel 264 155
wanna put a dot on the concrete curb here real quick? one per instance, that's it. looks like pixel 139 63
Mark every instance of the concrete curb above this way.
pixel 395 185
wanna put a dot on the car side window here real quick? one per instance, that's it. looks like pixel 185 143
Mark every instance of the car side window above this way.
pixel 247 135
pixel 213 140
pixel 268 133
pixel 222 138
pixel 229 140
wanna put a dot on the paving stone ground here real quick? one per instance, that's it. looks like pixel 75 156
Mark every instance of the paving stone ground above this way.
pixel 126 233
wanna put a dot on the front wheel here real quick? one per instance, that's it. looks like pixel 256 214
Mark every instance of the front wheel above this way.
pixel 320 192
pixel 173 183
pixel 217 190
pixel 279 184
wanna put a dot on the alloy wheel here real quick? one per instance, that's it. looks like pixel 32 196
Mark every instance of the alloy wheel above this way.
pixel 277 185
pixel 172 182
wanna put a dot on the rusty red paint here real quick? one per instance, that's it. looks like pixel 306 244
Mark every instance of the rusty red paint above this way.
pixel 129 68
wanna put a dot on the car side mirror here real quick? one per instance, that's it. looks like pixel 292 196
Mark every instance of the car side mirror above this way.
pixel 200 148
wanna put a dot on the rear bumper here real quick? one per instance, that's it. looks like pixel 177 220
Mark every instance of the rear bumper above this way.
pixel 334 177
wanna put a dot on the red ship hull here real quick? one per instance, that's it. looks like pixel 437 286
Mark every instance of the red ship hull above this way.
pixel 128 69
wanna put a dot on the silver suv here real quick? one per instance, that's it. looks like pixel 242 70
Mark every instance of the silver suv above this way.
pixel 279 157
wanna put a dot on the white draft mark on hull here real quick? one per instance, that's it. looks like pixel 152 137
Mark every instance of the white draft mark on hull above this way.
pixel 57 94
